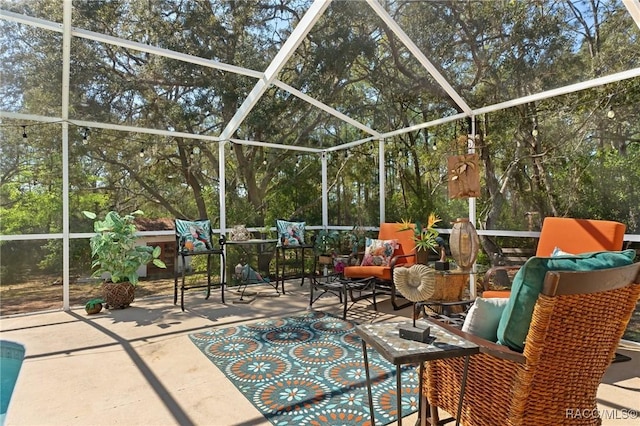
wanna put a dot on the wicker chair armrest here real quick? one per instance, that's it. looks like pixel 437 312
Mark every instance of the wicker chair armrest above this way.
pixel 486 346
pixel 491 272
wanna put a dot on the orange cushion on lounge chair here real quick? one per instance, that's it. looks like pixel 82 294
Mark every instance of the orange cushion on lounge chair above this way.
pixel 380 272
pixel 496 293
pixel 579 235
pixel 574 236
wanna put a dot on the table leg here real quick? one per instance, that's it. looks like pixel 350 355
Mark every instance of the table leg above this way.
pixel 422 416
pixel 302 268
pixel 366 371
pixel 399 394
pixel 280 251
pixel 462 386
pixel 344 300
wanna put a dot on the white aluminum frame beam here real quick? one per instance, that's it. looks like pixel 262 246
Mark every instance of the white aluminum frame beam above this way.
pixel 471 149
pixel 406 40
pixel 66 72
pixel 141 47
pixel 633 6
pixel 564 90
pixel 107 126
pixel 382 181
pixel 325 197
pixel 222 197
pixel 326 108
pixel 271 73
pixel 275 145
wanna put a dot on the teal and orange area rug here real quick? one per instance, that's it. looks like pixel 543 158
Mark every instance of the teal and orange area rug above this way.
pixel 308 370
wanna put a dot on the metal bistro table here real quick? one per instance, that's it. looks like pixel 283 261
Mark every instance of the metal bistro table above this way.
pixel 385 338
pixel 256 247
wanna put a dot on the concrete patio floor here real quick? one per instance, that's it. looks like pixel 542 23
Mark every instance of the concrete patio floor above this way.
pixel 137 366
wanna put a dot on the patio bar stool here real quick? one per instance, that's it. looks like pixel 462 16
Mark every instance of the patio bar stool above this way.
pixel 194 238
pixel 291 239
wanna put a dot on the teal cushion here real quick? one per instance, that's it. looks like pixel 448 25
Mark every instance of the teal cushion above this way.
pixel 527 285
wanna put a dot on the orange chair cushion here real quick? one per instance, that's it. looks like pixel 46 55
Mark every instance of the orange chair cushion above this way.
pixel 380 272
pixel 493 294
pixel 578 236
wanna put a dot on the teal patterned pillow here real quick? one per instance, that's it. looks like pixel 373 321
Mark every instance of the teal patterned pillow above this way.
pixel 290 234
pixel 193 235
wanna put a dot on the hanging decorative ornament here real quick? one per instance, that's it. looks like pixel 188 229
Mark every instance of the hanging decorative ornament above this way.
pixel 464 243
pixel 464 176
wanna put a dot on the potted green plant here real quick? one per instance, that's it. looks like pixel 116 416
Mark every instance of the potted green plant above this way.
pixel 426 238
pixel 117 255
pixel 324 245
pixel 349 244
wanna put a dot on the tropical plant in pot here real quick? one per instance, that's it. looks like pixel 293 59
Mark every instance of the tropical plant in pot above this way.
pixel 117 255
pixel 325 243
pixel 426 238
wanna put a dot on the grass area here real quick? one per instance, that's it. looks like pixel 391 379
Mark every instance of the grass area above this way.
pixel 45 293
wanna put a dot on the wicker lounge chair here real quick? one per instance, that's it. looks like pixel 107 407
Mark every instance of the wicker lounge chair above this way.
pixel 571 340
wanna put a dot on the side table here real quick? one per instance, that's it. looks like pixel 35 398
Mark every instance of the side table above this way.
pixel 448 303
pixel 385 338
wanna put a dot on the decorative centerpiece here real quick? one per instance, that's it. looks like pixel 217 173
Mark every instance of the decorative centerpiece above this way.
pixel 416 283
pixel 118 257
pixel 464 243
pixel 427 238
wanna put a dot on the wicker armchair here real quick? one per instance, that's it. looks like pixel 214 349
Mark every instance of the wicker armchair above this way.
pixel 577 323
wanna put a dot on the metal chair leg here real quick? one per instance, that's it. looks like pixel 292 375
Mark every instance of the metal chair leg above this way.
pixel 208 277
